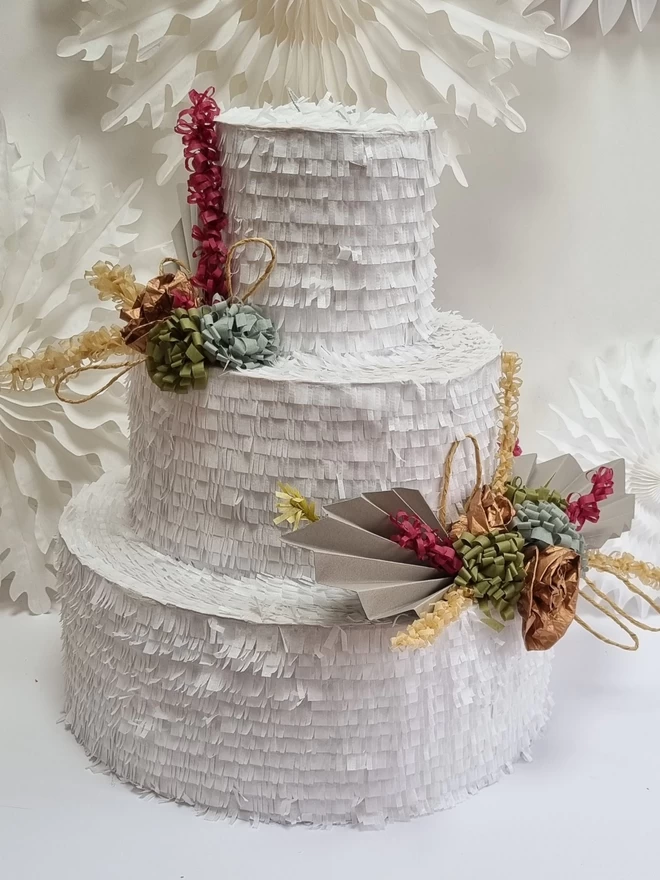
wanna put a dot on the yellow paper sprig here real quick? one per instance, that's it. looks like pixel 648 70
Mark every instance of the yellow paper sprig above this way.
pixel 509 403
pixel 423 632
pixel 49 364
pixel 114 282
pixel 293 507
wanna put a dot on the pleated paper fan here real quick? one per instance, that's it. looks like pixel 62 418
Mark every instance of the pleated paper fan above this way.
pixel 446 57
pixel 564 475
pixel 609 11
pixel 617 415
pixel 352 549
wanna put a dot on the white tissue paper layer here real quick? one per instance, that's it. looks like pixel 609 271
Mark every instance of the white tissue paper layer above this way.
pixel 271 721
pixel 205 465
pixel 350 214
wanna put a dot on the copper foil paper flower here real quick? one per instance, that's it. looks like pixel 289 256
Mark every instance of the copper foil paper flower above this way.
pixel 485 512
pixel 549 598
pixel 159 298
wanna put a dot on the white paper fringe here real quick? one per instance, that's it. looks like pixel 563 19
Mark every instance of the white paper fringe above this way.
pixel 348 203
pixel 326 115
pixel 205 465
pixel 272 722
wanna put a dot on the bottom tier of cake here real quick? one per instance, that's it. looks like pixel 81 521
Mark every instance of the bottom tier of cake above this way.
pixel 271 700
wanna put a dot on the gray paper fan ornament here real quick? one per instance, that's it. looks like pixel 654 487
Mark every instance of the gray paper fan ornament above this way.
pixel 565 476
pixel 238 336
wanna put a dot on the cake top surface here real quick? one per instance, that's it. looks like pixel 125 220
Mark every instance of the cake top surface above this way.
pixel 95 527
pixel 455 348
pixel 328 116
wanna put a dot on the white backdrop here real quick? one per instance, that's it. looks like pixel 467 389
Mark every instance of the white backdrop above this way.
pixel 554 243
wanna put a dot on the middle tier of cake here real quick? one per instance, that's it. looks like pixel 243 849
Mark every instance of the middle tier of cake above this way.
pixel 205 465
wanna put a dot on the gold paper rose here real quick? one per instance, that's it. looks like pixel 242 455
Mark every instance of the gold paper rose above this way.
pixel 549 598
pixel 161 295
pixel 485 512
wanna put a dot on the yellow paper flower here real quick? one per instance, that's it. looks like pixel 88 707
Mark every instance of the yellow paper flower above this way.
pixel 293 507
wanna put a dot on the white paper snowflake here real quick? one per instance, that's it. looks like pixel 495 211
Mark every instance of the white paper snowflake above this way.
pixel 51 230
pixel 617 415
pixel 442 56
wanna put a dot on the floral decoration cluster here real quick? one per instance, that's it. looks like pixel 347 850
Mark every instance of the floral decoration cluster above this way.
pixel 520 550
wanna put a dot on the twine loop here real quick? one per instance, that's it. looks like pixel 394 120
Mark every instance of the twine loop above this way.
pixel 260 280
pixel 623 568
pixel 446 477
pixel 180 266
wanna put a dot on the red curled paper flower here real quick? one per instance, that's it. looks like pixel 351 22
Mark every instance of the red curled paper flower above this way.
pixel 425 542
pixel 196 125
pixel 586 508
pixel 517 449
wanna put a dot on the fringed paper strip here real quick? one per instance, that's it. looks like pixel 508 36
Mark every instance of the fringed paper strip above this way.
pixel 351 216
pixel 249 720
pixel 205 466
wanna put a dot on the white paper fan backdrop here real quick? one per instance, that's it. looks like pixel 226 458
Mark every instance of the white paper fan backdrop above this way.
pixel 609 11
pixel 617 415
pixel 51 230
pixel 442 56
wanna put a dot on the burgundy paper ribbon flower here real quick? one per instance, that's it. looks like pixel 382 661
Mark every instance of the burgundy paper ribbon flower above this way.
pixel 586 508
pixel 196 125
pixel 425 542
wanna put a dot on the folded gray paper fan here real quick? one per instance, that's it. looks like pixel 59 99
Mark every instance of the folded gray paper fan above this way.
pixel 564 475
pixel 353 549
pixel 184 243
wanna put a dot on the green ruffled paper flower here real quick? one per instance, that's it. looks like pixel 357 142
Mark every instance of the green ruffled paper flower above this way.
pixel 237 336
pixel 175 352
pixel 494 568
pixel 517 493
pixel 544 524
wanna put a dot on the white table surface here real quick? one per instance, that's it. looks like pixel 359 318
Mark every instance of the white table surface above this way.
pixel 588 806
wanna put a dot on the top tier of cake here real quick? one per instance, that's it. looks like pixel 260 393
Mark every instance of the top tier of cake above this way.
pixel 347 199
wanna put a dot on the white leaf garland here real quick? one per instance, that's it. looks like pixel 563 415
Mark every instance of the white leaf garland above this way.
pixel 445 57
pixel 51 230
pixel 617 415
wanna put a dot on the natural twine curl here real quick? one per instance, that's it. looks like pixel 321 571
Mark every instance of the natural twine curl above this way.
pixel 260 280
pixel 177 263
pixel 123 367
pixel 624 568
pixel 446 476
